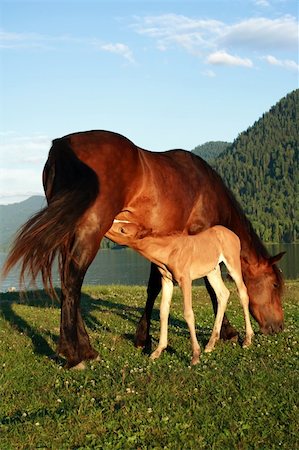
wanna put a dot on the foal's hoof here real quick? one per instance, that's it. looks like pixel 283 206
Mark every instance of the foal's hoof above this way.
pixel 155 355
pixel 209 348
pixel 247 343
pixel 194 360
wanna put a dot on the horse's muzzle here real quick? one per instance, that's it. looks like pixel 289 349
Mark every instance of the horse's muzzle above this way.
pixel 272 328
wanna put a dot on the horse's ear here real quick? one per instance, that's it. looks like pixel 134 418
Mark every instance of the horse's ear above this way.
pixel 275 259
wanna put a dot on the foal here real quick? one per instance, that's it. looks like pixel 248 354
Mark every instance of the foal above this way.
pixel 186 258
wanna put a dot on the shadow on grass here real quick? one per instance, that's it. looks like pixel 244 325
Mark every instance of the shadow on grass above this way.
pixel 90 307
pixel 32 298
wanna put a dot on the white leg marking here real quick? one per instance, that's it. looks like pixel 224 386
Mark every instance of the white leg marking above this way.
pixel 167 290
pixel 222 294
pixel 186 286
pixel 236 274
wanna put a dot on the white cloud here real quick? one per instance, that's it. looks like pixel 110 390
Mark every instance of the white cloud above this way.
pixel 209 73
pixel 18 149
pixel 286 63
pixel 204 37
pixel 193 35
pixel 18 184
pixel 11 40
pixel 263 3
pixel 262 33
pixel 225 59
pixel 119 49
pixel 21 159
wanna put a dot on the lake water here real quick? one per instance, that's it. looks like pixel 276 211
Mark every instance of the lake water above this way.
pixel 126 267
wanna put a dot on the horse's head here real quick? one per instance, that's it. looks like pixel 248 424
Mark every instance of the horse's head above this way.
pixel 265 285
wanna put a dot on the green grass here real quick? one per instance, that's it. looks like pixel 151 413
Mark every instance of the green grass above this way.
pixel 234 399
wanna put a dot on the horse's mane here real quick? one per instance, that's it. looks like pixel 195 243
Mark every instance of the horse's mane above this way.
pixel 253 239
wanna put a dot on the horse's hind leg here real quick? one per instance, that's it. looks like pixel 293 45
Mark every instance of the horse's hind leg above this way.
pixel 74 342
pixel 222 294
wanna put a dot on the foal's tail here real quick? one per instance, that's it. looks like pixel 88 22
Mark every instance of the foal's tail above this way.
pixel 71 187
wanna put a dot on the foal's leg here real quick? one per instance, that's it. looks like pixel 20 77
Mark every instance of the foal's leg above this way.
pixel 186 286
pixel 222 294
pixel 142 336
pixel 236 274
pixel 167 290
pixel 228 332
pixel 245 304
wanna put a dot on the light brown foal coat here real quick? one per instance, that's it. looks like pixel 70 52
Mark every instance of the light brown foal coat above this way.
pixel 186 258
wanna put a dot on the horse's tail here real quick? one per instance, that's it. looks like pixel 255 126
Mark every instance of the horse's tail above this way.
pixel 71 187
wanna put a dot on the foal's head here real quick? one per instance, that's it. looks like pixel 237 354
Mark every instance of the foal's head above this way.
pixel 264 283
pixel 131 231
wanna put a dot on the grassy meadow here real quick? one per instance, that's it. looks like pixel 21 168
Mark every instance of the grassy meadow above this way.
pixel 233 399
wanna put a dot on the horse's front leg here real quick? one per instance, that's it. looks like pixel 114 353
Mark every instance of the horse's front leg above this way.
pixel 142 336
pixel 227 332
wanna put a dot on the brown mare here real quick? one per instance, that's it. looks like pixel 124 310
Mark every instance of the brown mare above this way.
pixel 90 179
pixel 185 258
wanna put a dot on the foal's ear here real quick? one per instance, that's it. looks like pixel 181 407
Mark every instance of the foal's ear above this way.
pixel 275 259
pixel 142 233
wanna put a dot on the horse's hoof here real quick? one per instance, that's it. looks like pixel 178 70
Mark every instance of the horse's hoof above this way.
pixel 229 333
pixel 143 342
pixel 80 366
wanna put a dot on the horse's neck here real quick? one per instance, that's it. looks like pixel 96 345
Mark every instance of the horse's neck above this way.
pixel 156 249
pixel 252 249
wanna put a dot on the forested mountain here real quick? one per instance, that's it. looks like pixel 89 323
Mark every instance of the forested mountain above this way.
pixel 262 169
pixel 210 150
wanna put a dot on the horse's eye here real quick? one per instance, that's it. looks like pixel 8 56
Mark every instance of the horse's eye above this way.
pixel 275 285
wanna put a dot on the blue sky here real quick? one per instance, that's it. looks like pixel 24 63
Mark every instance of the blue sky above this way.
pixel 166 74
